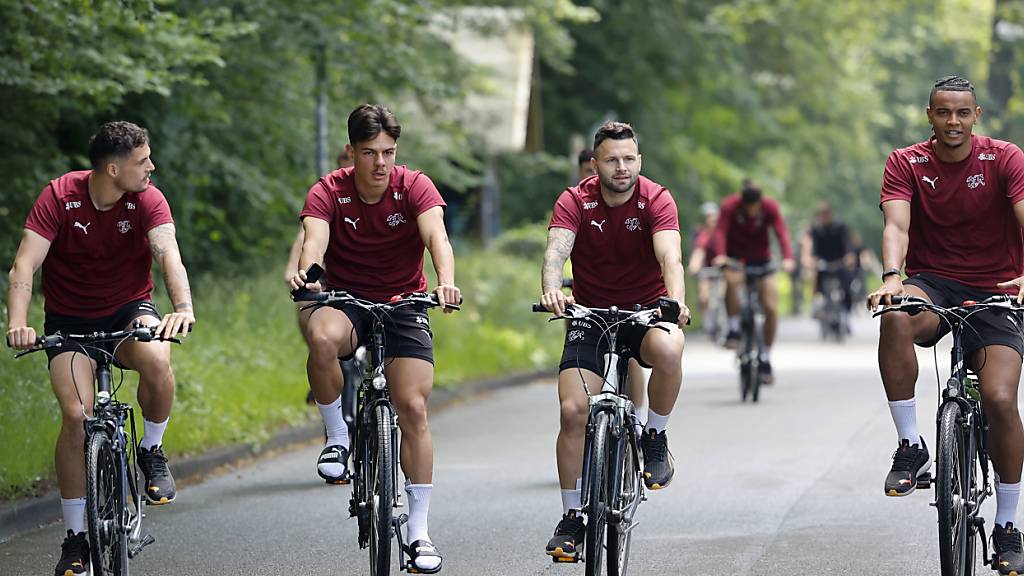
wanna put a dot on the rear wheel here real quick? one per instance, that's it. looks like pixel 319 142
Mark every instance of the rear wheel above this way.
pixel 381 494
pixel 108 541
pixel 597 506
pixel 951 493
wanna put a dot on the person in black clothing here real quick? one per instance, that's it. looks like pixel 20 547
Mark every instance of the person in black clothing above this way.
pixel 830 250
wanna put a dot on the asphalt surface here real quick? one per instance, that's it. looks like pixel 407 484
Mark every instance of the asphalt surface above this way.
pixel 791 485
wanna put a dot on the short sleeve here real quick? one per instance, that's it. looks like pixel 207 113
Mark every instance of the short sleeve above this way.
pixel 663 213
pixel 897 180
pixel 155 210
pixel 567 213
pixel 422 194
pixel 1013 173
pixel 318 203
pixel 46 216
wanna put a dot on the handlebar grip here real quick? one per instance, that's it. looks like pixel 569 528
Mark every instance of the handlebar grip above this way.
pixel 896 300
pixel 539 308
pixel 306 295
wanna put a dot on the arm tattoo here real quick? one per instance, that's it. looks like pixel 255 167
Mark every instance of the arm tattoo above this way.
pixel 23 286
pixel 161 240
pixel 560 242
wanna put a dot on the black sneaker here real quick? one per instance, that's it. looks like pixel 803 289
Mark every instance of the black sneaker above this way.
pixel 1009 550
pixel 732 339
pixel 333 454
pixel 74 555
pixel 764 371
pixel 908 462
pixel 159 483
pixel 567 543
pixel 658 465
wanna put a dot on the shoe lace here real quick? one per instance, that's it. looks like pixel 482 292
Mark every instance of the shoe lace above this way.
pixel 73 548
pixel 568 525
pixel 155 461
pixel 655 446
pixel 1007 541
pixel 904 457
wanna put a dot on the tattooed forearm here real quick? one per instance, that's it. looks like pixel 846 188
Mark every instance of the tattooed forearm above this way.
pixel 22 286
pixel 560 242
pixel 178 288
pixel 162 241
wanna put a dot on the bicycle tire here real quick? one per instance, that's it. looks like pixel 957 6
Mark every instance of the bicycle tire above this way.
pixel 951 453
pixel 597 505
pixel 626 498
pixel 382 494
pixel 108 541
pixel 744 380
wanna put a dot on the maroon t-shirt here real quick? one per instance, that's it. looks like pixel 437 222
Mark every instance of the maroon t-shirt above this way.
pixel 98 261
pixel 962 224
pixel 745 238
pixel 710 242
pixel 613 260
pixel 375 250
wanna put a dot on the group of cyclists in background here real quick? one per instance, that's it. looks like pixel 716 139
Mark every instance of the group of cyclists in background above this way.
pixel 952 219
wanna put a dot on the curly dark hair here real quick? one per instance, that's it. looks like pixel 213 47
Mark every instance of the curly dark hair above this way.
pixel 115 140
pixel 951 84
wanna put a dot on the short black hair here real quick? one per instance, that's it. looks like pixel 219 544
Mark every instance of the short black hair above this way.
pixel 611 130
pixel 369 120
pixel 115 140
pixel 952 84
pixel 585 155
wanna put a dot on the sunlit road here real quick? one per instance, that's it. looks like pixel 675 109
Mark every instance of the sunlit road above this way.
pixel 792 485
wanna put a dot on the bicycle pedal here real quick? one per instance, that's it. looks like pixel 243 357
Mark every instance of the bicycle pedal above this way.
pixel 565 559
pixel 924 481
pixel 146 541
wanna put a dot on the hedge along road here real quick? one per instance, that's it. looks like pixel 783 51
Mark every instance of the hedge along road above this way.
pixel 790 486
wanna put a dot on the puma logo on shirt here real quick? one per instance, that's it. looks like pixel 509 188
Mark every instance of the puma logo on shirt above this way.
pixel 932 181
pixel 352 222
pixel 84 227
pixel 599 226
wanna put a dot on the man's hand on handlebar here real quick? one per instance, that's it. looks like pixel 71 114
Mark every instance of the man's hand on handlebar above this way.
pixel 173 324
pixel 448 295
pixel 21 338
pixel 893 286
pixel 1017 283
pixel 556 301
pixel 299 281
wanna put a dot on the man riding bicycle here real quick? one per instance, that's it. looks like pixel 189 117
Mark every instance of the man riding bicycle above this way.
pixel 953 215
pixel 369 225
pixel 830 253
pixel 743 224
pixel 95 232
pixel 622 232
pixel 707 246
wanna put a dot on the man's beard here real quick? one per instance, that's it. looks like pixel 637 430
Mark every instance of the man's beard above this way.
pixel 614 186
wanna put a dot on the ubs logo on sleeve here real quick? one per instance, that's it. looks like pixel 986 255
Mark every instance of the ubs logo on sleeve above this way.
pixel 72 204
pixel 345 200
pixel 589 205
pixel 984 156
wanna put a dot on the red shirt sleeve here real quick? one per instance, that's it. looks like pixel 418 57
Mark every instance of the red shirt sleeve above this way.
pixel 663 213
pixel 318 203
pixel 567 213
pixel 725 215
pixel 897 180
pixel 155 210
pixel 1013 173
pixel 422 194
pixel 779 225
pixel 46 215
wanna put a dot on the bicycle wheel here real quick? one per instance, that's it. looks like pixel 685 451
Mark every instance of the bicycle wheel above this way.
pixel 597 507
pixel 745 383
pixel 626 499
pixel 382 494
pixel 950 493
pixel 108 541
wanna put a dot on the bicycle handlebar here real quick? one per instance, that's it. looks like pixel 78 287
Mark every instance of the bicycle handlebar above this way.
pixel 56 340
pixel 915 304
pixel 668 307
pixel 338 297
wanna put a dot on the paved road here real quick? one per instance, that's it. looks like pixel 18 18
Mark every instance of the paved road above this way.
pixel 790 486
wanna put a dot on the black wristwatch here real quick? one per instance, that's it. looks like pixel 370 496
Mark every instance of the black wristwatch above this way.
pixel 890 272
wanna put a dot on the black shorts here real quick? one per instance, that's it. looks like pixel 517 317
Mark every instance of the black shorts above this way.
pixel 119 320
pixel 990 327
pixel 406 332
pixel 586 343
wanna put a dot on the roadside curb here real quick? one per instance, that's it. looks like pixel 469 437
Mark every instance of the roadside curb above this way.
pixel 28 514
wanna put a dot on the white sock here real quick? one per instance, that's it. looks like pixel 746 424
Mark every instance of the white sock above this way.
pixel 572 500
pixel 734 323
pixel 656 421
pixel 73 510
pixel 334 422
pixel 419 506
pixel 904 415
pixel 765 355
pixel 641 418
pixel 1007 497
pixel 152 433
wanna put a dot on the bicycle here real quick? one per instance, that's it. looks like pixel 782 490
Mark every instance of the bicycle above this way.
pixel 751 344
pixel 612 484
pixel 832 315
pixel 714 319
pixel 960 441
pixel 375 463
pixel 113 505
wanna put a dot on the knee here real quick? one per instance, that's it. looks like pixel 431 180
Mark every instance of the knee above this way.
pixel 157 370
pixel 668 355
pixel 896 326
pixel 1001 403
pixel 73 421
pixel 323 346
pixel 412 412
pixel 573 416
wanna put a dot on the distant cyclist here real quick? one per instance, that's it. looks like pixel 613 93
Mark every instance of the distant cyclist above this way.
pixel 622 232
pixel 831 253
pixel 96 234
pixel 744 223
pixel 707 247
pixel 953 215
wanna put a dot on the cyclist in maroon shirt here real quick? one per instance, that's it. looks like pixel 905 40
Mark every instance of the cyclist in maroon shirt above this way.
pixel 622 232
pixel 96 233
pixel 743 225
pixel 369 225
pixel 953 216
